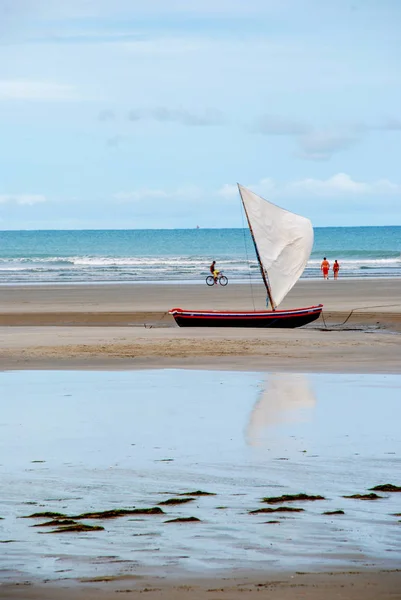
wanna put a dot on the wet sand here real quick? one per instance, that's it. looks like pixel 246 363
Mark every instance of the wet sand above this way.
pixel 127 326
pixel 373 585
pixel 65 447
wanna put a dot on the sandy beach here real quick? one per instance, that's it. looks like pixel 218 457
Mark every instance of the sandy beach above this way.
pixel 381 585
pixel 127 326
pixel 113 328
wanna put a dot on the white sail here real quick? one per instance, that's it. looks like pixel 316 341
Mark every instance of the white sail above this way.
pixel 284 241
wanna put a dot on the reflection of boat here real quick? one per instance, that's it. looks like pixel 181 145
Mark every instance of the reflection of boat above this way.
pixel 280 401
pixel 283 243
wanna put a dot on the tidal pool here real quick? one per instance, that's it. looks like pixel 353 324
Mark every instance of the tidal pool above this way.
pixel 84 441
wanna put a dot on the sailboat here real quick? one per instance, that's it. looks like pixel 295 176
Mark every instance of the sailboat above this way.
pixel 283 243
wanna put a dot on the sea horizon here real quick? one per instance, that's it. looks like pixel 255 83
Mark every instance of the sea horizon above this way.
pixel 185 228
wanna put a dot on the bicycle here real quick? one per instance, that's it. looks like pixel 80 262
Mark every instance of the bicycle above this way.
pixel 221 279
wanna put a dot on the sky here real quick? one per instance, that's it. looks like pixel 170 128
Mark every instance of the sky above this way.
pixel 132 114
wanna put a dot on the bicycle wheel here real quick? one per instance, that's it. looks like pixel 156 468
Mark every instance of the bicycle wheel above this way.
pixel 210 280
pixel 223 280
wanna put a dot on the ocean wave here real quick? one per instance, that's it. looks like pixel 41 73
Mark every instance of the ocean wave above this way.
pixel 190 260
pixel 357 254
pixel 87 268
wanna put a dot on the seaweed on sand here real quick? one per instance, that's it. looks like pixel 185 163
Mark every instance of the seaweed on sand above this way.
pixel 274 510
pixel 77 528
pixel 290 498
pixel 334 512
pixel 364 496
pixel 46 515
pixel 174 501
pixel 271 522
pixel 184 520
pixel 119 512
pixel 56 523
pixel 198 493
pixel 386 487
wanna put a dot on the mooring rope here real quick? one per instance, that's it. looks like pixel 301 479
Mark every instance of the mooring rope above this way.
pixel 157 322
pixel 356 309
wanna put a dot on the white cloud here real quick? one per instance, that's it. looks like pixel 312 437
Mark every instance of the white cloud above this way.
pixel 342 185
pixel 149 194
pixel 321 145
pixel 278 125
pixel 106 115
pixel 315 144
pixel 22 199
pixel 390 124
pixel 339 185
pixel 179 115
pixel 35 90
pixel 264 187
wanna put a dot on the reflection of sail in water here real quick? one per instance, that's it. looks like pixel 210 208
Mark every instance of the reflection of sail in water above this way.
pixel 281 400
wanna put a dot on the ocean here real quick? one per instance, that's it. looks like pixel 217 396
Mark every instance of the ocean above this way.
pixel 181 255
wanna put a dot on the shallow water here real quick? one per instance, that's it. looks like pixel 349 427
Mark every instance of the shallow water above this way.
pixel 123 439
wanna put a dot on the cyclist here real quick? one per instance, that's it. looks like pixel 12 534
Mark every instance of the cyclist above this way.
pixel 214 271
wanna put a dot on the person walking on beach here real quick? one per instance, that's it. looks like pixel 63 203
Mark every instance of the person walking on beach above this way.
pixel 324 267
pixel 336 268
pixel 214 271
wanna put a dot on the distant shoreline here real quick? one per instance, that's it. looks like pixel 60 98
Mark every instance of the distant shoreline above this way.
pixel 181 282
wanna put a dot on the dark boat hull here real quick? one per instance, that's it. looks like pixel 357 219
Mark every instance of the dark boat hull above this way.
pixel 287 319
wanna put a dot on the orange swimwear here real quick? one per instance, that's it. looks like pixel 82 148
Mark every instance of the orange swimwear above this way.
pixel 325 266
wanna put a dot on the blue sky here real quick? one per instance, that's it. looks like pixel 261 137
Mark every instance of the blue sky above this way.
pixel 131 114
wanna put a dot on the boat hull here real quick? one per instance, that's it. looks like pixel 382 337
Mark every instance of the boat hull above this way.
pixel 284 319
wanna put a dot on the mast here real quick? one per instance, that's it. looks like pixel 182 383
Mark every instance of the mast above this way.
pixel 262 269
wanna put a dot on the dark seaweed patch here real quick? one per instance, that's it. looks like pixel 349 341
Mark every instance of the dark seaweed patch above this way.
pixel 198 493
pixel 271 522
pixel 77 528
pixel 273 510
pixel 46 515
pixel 55 523
pixel 119 512
pixel 334 512
pixel 364 496
pixel 184 520
pixel 290 498
pixel 386 487
pixel 174 501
